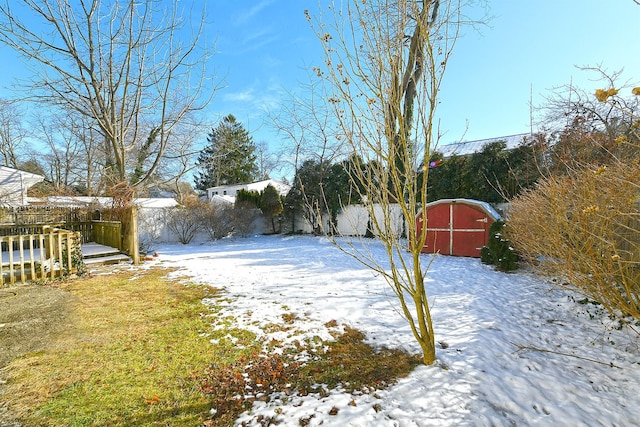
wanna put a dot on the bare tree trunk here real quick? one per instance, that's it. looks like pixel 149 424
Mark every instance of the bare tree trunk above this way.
pixel 125 65
pixel 384 63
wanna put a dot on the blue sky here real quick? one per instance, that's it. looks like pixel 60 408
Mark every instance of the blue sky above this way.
pixel 529 46
pixel 265 47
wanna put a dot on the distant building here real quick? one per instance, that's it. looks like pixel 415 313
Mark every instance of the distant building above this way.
pixel 469 147
pixel 227 193
pixel 14 184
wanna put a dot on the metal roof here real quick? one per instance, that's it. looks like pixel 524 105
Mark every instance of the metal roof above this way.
pixel 465 148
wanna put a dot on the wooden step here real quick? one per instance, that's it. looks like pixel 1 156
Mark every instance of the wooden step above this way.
pixel 97 254
pixel 107 259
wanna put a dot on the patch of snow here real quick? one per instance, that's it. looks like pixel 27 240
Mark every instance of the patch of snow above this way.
pixel 488 322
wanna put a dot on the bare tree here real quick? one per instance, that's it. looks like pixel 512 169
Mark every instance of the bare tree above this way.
pixel 184 224
pixel 265 160
pixel 12 133
pixel 217 219
pixel 71 156
pixel 308 126
pixel 134 68
pixel 385 61
pixel 311 135
pixel 179 159
pixel 568 102
pixel 582 130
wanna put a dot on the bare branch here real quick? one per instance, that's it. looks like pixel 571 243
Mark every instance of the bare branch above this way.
pixel 125 65
pixel 384 64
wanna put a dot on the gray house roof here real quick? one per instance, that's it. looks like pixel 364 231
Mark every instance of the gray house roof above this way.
pixel 14 184
pixel 465 148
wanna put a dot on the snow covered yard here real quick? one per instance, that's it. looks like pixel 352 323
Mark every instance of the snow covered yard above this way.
pixel 483 320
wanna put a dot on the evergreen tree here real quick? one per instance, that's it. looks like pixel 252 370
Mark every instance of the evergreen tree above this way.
pixel 247 198
pixel 322 187
pixel 229 157
pixel 446 180
pixel 499 250
pixel 485 171
pixel 338 188
pixel 493 175
pixel 271 205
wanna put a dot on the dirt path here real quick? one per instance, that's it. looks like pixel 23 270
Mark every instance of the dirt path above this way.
pixel 29 317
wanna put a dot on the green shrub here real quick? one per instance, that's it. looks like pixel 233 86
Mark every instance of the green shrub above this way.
pixel 499 251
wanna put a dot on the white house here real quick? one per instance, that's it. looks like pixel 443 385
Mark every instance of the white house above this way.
pixel 14 184
pixel 229 192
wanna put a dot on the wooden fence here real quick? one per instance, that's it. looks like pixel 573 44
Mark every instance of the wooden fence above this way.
pixel 34 215
pixel 44 255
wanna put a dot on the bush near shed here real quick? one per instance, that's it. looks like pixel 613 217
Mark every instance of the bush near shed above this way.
pixel 499 251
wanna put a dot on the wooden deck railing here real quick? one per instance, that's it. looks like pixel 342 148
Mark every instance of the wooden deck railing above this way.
pixel 44 255
pixel 107 233
pixel 22 228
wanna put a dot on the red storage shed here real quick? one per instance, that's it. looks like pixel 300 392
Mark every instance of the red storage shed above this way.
pixel 456 226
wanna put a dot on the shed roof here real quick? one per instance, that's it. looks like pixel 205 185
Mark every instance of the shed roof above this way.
pixel 486 207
